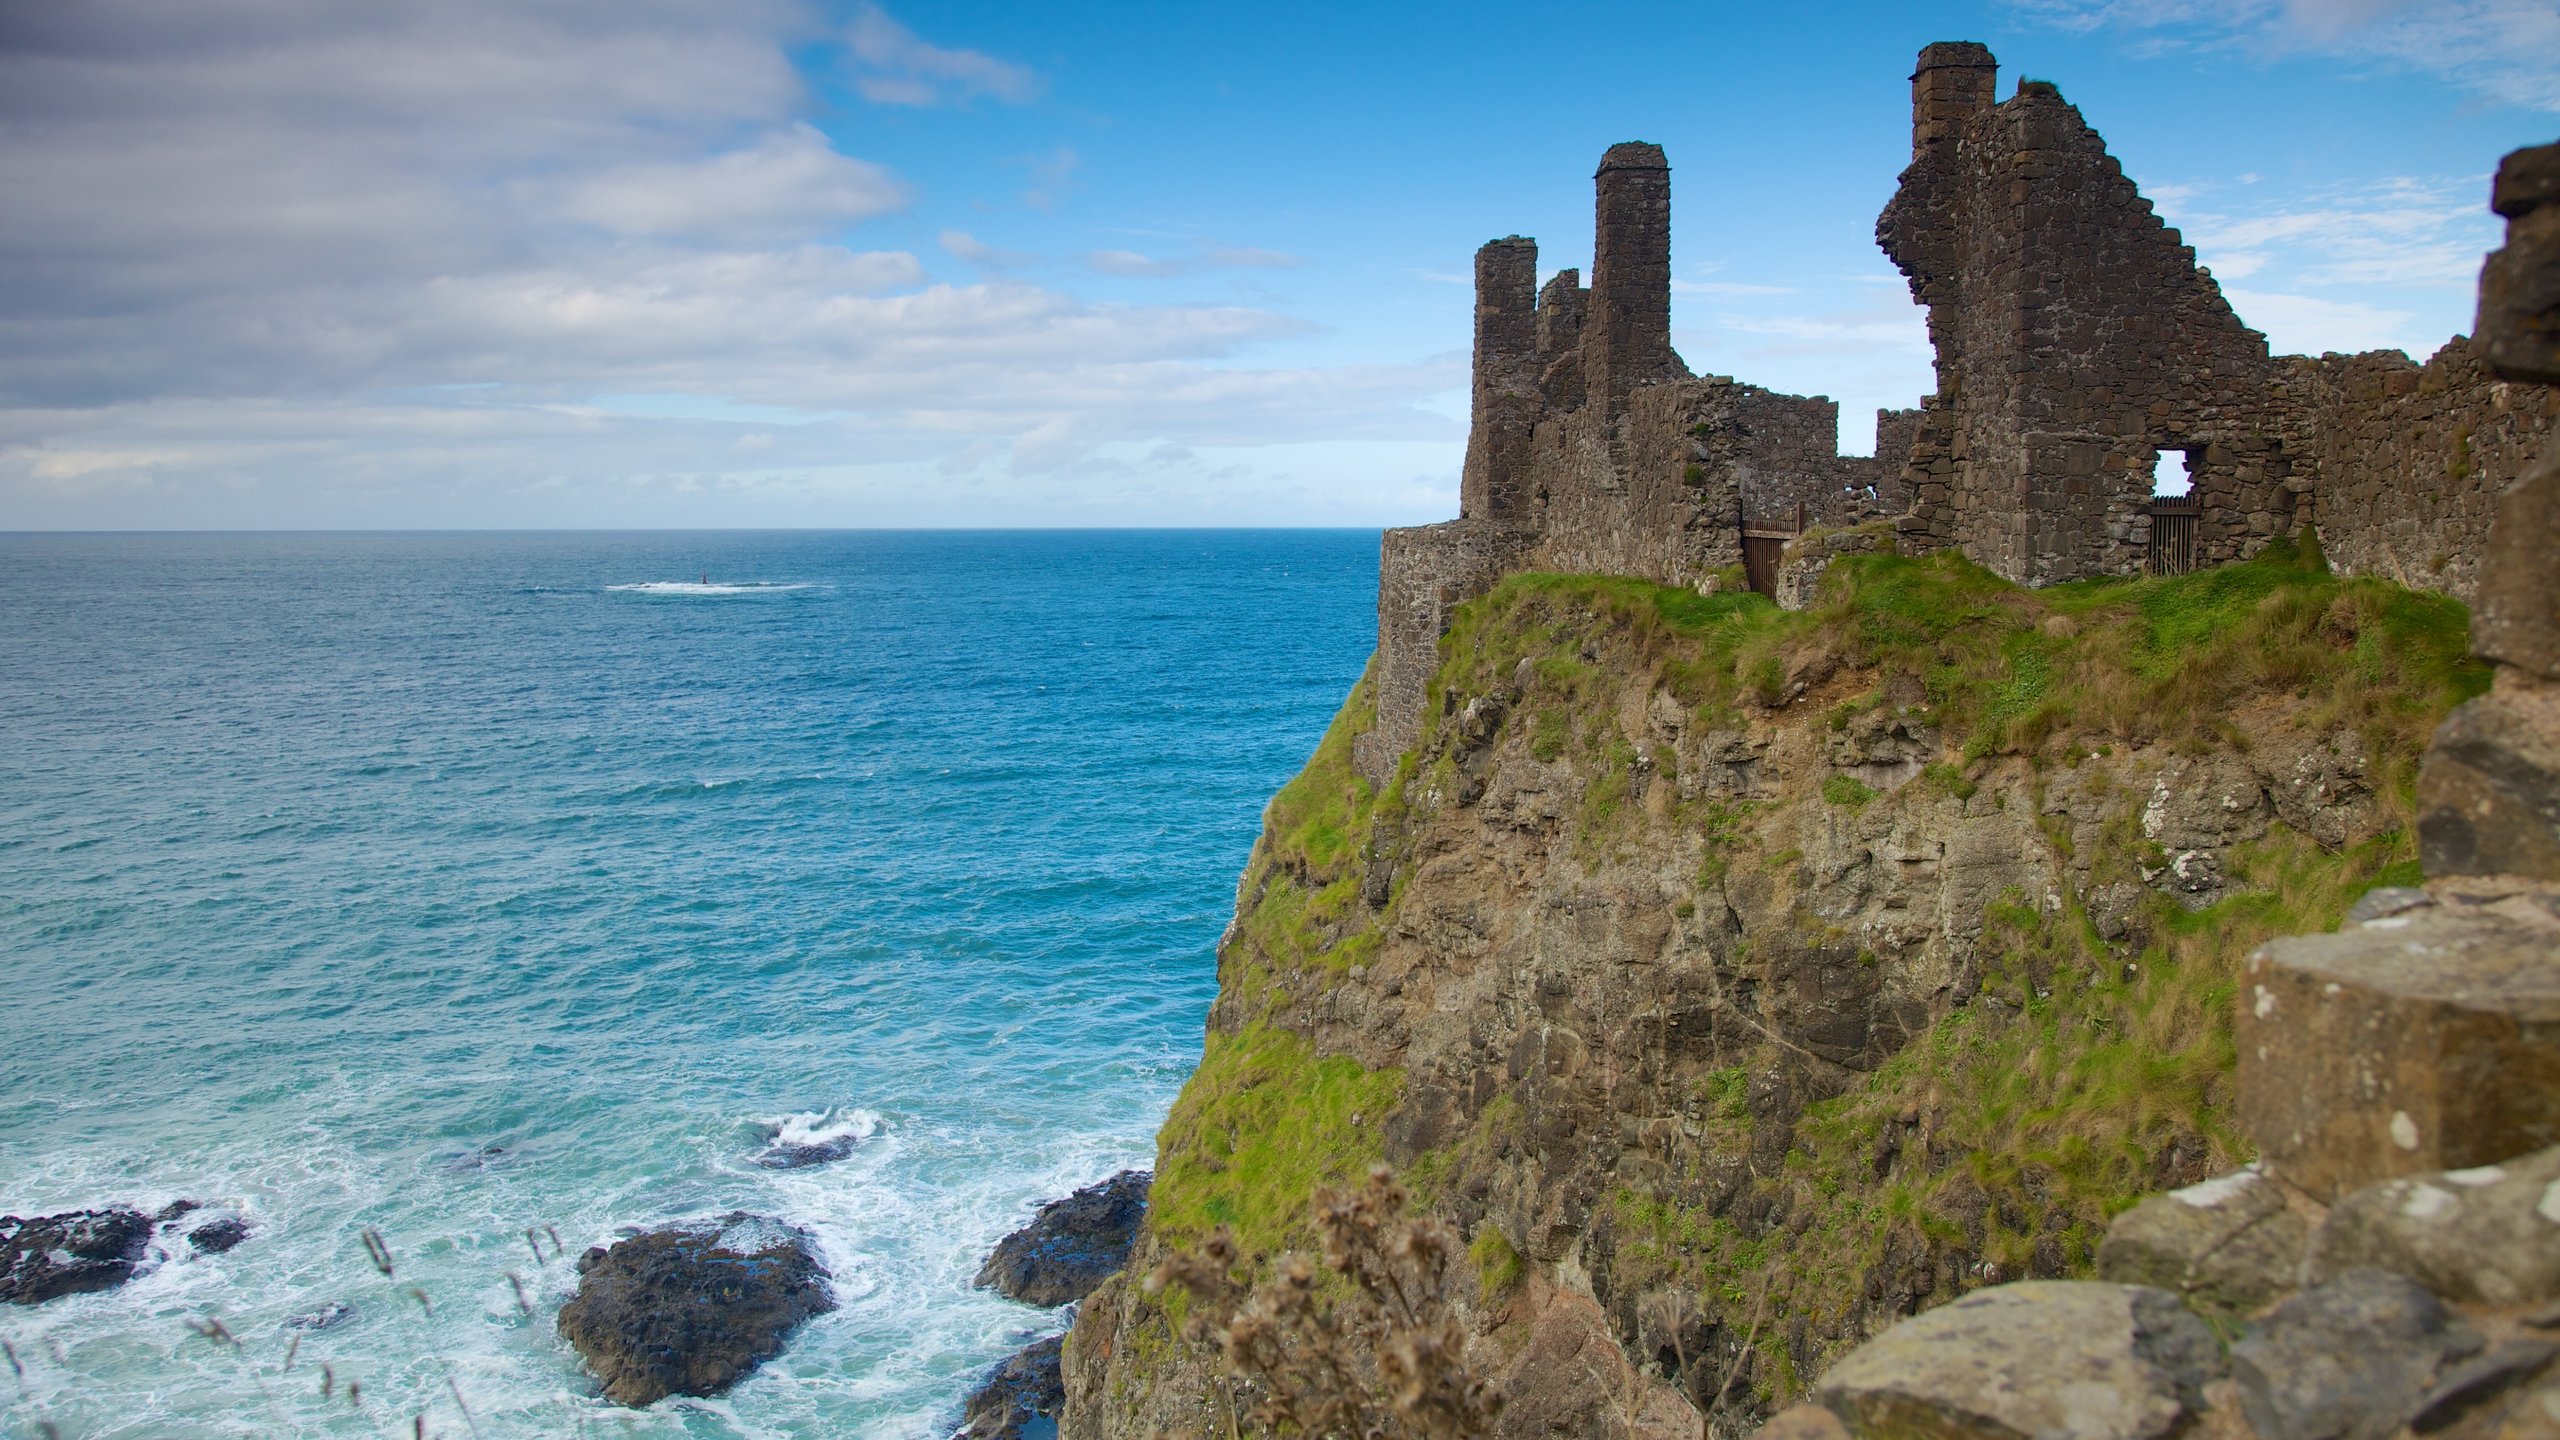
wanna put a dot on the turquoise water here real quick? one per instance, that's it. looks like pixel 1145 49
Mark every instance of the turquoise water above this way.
pixel 455 885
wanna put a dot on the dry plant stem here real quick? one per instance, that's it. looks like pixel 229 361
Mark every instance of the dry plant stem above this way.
pixel 1386 1361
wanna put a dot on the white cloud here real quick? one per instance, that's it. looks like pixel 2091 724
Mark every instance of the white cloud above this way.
pixel 298 262
pixel 1130 262
pixel 791 181
pixel 2309 325
pixel 892 65
pixel 2507 49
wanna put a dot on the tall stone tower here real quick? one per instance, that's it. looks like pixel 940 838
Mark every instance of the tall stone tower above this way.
pixel 1507 402
pixel 1626 339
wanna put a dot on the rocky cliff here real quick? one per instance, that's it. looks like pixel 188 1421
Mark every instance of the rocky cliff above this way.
pixel 1741 981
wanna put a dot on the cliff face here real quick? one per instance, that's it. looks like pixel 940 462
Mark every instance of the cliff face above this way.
pixel 1740 982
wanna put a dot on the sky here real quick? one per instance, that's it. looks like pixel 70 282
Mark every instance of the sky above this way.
pixel 609 263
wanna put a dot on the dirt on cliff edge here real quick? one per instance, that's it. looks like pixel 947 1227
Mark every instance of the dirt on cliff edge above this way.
pixel 1741 981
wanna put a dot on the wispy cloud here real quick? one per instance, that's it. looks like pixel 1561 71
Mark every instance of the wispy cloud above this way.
pixel 2506 49
pixel 892 65
pixel 961 245
pixel 1053 177
pixel 1212 257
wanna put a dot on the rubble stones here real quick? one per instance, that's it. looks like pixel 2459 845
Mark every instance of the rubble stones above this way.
pixel 2349 1359
pixel 2486 1235
pixel 2041 1358
pixel 2230 1244
pixel 2427 1041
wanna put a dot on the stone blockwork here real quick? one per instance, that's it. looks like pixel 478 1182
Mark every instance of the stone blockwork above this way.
pixel 1593 449
pixel 2077 340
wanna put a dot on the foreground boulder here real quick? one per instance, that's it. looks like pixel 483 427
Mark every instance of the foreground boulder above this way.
pixel 1020 1399
pixel 68 1254
pixel 2351 1359
pixel 2070 1360
pixel 690 1309
pixel 2487 1235
pixel 2229 1245
pixel 1072 1245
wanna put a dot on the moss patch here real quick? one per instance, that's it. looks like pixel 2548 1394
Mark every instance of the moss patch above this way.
pixel 1261 1124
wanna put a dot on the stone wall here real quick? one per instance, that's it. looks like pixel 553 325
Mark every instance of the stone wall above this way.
pixel 2077 339
pixel 1423 573
pixel 2408 459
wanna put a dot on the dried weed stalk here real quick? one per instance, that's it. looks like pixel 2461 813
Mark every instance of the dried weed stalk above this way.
pixel 1385 1361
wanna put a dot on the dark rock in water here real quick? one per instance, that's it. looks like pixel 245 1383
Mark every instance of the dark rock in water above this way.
pixel 1072 1245
pixel 468 1161
pixel 1020 1399
pixel 690 1309
pixel 780 1156
pixel 335 1313
pixel 176 1208
pixel 214 1237
pixel 67 1254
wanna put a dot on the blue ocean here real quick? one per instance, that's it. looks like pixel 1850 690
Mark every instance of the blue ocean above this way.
pixel 460 886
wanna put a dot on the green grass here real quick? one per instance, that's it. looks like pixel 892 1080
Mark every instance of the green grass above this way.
pixel 1261 1124
pixel 2051 1095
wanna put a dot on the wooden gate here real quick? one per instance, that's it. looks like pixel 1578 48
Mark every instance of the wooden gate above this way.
pixel 1763 543
pixel 2173 533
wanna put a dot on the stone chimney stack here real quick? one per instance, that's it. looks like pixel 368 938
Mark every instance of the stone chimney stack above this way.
pixel 1627 337
pixel 1506 380
pixel 1954 80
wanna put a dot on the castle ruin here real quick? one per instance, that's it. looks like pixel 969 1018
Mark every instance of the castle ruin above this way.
pixel 2076 340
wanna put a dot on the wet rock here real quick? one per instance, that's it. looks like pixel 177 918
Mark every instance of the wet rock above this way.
pixel 1073 1244
pixel 327 1317
pixel 47 1256
pixel 2487 1235
pixel 1020 1399
pixel 216 1236
pixel 2429 1041
pixel 469 1162
pixel 175 1209
pixel 2229 1244
pixel 690 1309
pixel 2349 1359
pixel 2044 1358
pixel 784 1156
pixel 803 1141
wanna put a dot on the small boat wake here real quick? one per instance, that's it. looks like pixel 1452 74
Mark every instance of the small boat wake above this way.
pixel 708 587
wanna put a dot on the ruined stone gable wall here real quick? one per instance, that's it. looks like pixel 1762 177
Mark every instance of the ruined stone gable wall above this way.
pixel 2076 338
pixel 2407 460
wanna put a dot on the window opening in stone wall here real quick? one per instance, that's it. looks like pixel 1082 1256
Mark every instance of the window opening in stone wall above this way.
pixel 2173 512
pixel 2169 474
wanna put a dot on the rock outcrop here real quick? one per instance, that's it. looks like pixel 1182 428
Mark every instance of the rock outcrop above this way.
pixel 1072 1245
pixel 45 1257
pixel 1020 1399
pixel 691 1309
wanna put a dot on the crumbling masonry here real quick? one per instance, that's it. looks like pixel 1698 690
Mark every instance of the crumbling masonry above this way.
pixel 1592 447
pixel 2076 340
